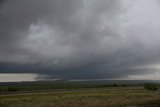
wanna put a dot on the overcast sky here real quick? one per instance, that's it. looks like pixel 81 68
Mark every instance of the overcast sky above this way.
pixel 80 39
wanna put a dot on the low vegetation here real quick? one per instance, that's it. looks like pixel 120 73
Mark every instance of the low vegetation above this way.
pixel 84 95
pixel 151 86
pixel 108 97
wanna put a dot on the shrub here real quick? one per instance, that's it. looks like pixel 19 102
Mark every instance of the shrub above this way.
pixel 114 85
pixel 150 86
pixel 12 88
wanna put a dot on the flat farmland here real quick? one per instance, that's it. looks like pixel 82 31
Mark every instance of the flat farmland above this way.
pixel 119 96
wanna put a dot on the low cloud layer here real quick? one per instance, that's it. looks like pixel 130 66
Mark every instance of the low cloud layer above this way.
pixel 80 39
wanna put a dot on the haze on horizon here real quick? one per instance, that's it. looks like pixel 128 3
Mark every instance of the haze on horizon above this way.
pixel 79 39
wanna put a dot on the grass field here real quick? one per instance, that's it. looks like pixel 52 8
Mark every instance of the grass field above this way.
pixel 128 96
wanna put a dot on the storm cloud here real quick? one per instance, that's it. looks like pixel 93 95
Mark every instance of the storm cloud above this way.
pixel 80 39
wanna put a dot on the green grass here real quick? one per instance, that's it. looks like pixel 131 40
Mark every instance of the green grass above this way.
pixel 99 97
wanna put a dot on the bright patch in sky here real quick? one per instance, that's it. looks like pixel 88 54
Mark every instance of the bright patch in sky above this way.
pixel 8 77
pixel 155 76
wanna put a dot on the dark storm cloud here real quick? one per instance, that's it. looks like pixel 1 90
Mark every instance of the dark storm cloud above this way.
pixel 80 38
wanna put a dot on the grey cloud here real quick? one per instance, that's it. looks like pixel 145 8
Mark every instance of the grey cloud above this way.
pixel 80 38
